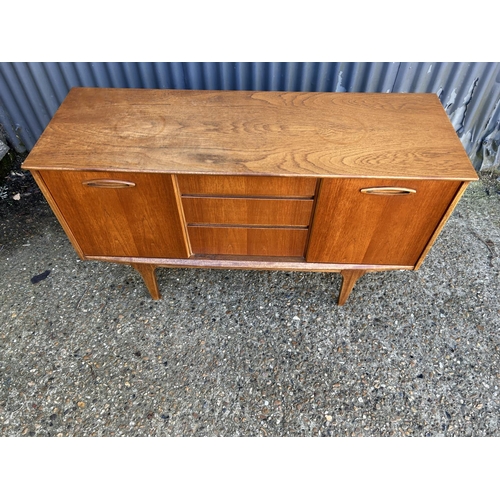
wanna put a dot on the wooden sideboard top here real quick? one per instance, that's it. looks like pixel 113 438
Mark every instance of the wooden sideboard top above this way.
pixel 253 133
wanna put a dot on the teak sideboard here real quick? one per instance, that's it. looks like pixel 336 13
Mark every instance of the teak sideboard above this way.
pixel 301 181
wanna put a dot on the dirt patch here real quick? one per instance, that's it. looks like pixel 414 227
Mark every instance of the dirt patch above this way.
pixel 491 181
pixel 22 205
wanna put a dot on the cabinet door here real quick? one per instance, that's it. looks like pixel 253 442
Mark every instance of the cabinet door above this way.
pixel 354 224
pixel 120 214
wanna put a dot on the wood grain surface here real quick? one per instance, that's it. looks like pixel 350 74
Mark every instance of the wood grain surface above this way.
pixel 253 133
pixel 244 211
pixel 441 224
pixel 357 228
pixel 140 221
pixel 147 271
pixel 349 278
pixel 268 263
pixel 247 241
pixel 234 185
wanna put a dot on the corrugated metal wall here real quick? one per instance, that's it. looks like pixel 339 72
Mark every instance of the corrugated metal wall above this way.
pixel 30 93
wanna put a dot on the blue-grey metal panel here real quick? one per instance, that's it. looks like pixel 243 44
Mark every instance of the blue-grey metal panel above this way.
pixel 30 93
pixel 470 94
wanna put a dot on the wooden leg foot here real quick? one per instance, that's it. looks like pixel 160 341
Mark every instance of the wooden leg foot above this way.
pixel 147 272
pixel 349 278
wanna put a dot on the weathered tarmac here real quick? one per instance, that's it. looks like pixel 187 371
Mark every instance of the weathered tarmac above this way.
pixel 86 352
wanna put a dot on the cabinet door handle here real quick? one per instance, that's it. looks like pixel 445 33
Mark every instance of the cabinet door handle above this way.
pixel 108 183
pixel 388 191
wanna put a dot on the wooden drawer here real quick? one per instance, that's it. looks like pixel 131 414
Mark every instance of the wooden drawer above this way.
pixel 247 211
pixel 247 241
pixel 285 187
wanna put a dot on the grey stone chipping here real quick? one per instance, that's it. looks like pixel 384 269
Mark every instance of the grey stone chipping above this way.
pixel 84 351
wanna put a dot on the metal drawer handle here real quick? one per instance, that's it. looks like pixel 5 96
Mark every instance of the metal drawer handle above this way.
pixel 390 191
pixel 108 183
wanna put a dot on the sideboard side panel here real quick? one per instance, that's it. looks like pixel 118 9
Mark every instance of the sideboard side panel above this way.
pixel 60 217
pixel 443 221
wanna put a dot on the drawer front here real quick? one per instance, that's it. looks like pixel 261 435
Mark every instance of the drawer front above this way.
pixel 377 221
pixel 286 187
pixel 247 241
pixel 247 211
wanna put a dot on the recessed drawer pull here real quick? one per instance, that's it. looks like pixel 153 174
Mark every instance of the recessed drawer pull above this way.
pixel 108 183
pixel 388 191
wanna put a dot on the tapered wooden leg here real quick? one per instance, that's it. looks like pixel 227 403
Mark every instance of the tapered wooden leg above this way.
pixel 147 272
pixel 349 278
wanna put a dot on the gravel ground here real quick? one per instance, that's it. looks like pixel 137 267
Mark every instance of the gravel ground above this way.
pixel 86 352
